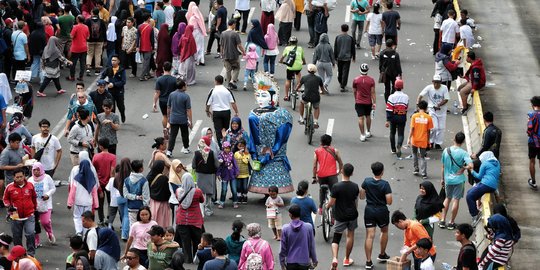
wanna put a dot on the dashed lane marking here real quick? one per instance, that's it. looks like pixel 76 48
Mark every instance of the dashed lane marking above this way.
pixel 348 13
pixel 330 126
pixel 194 130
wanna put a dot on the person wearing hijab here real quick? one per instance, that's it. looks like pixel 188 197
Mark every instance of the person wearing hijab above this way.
pixel 50 64
pixel 189 218
pixel 164 53
pixel 16 125
pixel 36 42
pixel 108 250
pixel 490 170
pixel 271 39
pixel 83 190
pixel 500 249
pixel 207 131
pixel 501 209
pixel 188 50
pixel 256 36
pixel 285 15
pixel 82 264
pixel 111 39
pixel 196 19
pixel 205 165
pixel 175 47
pixel 256 243
pixel 179 17
pixel 324 59
pixel 86 7
pixel 176 173
pixel 159 194
pixel 428 206
pixel 119 178
pixel 235 133
pixel 44 186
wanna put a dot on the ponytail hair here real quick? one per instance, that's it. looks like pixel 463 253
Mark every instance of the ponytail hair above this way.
pixel 302 188
pixel 237 227
pixel 157 142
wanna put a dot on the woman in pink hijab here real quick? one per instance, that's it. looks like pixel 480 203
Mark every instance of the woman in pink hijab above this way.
pixel 44 186
pixel 196 19
pixel 272 40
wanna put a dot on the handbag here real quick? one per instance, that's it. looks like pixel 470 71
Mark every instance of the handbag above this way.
pixel 39 154
pixel 271 213
pixel 291 57
pixel 21 88
pixel 256 165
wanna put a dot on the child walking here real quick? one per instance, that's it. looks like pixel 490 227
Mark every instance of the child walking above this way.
pixel 251 58
pixel 273 213
pixel 242 160
pixel 227 171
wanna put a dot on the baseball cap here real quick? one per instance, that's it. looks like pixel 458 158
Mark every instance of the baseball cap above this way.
pixel 311 68
pixel 437 78
pixel 16 252
pixel 8 21
pixel 156 230
pixel 101 82
pixel 398 84
pixel 364 68
pixel 140 3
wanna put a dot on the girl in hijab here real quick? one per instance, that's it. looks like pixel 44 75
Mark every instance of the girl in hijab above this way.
pixel 188 49
pixel 205 166
pixel 83 190
pixel 271 39
pixel 500 249
pixel 428 206
pixel 285 15
pixel 159 194
pixel 36 42
pixel 516 231
pixel 164 48
pixel 108 250
pixel 324 59
pixel 50 64
pixel 490 170
pixel 207 131
pixel 196 19
pixel 123 173
pixel 111 39
pixel 175 48
pixel 235 133
pixel 159 153
pixel 189 219
pixel 176 173
pixel 256 243
pixel 44 186
pixel 16 125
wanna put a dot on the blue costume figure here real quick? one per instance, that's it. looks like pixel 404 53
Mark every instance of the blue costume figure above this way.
pixel 269 127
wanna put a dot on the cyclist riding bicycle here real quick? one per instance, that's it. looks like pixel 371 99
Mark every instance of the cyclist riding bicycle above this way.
pixel 296 67
pixel 325 171
pixel 312 84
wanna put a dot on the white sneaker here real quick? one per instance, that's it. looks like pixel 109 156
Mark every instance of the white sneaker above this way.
pixel 52 239
pixel 301 121
pixel 185 150
pixel 368 134
pixel 168 154
pixel 362 138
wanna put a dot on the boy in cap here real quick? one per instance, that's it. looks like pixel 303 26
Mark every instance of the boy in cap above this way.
pixel 396 116
pixel 365 100
pixel 437 97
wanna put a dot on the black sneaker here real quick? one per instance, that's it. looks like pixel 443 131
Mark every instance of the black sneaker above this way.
pixel 424 176
pixel 369 265
pixel 398 152
pixel 438 147
pixel 451 226
pixel 442 225
pixel 416 172
pixel 383 257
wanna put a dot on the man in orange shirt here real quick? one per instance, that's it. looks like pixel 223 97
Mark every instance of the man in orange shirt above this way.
pixel 413 231
pixel 421 124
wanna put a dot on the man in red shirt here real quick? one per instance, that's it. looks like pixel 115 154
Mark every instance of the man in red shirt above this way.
pixel 20 200
pixel 325 171
pixel 104 162
pixel 79 35
pixel 365 100
pixel 145 45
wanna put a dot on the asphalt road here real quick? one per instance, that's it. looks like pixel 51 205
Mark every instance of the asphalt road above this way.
pixel 135 139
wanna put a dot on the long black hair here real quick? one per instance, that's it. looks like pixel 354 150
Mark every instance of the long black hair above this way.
pixel 302 188
pixel 237 227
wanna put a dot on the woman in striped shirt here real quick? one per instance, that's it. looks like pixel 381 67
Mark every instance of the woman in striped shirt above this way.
pixel 499 251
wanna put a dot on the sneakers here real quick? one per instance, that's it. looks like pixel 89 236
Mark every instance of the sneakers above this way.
pixel 168 154
pixel 368 134
pixel 301 121
pixel 362 138
pixel 88 72
pixel 398 152
pixel 416 172
pixel 475 220
pixel 532 184
pixel 424 176
pixel 185 150
pixel 451 226
pixel 464 110
pixel 348 262
pixel 442 225
pixel 131 75
pixel 52 239
pixel 96 73
pixel 383 257
pixel 369 265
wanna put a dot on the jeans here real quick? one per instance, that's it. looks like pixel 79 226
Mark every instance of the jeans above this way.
pixel 269 63
pixel 423 163
pixel 46 82
pixel 74 58
pixel 357 36
pixel 101 200
pixel 400 128
pixel 27 226
pixel 146 56
pixel 124 217
pixel 112 215
pixel 95 49
pixel 221 121
pixel 224 186
pixel 36 67
pixel 242 185
pixel 343 72
pixel 184 131
pixel 249 73
pixel 311 27
pixel 189 236
pixel 474 194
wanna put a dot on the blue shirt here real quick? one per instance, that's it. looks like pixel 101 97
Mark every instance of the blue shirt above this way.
pixel 462 158
pixel 159 17
pixel 18 39
pixel 217 264
pixel 307 206
pixel 3 106
pixel 354 5
pixel 489 173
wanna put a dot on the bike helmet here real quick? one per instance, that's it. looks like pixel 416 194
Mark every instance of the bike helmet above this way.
pixel 293 39
pixel 364 68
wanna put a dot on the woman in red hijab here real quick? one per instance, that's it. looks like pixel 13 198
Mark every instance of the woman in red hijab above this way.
pixel 164 53
pixel 188 49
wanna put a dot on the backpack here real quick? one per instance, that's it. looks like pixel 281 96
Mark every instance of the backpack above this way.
pixel 95 28
pixel 3 44
pixel 85 246
pixel 254 260
pixel 291 57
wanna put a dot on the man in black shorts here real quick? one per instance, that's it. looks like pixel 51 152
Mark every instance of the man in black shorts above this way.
pixel 294 70
pixel 165 85
pixel 344 196
pixel 364 100
pixel 378 196
pixel 313 84
pixel 533 132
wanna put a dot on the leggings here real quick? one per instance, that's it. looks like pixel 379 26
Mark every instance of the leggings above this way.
pixel 400 128
pixel 45 220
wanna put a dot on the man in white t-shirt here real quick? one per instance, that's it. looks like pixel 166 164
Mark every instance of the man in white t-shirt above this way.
pixel 449 30
pixel 169 13
pixel 53 150
pixel 422 251
pixel 466 33
pixel 437 97
pixel 132 260
pixel 90 237
pixel 218 107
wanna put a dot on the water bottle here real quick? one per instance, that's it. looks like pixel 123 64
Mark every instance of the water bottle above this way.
pixel 372 114
pixel 446 266
pixel 456 105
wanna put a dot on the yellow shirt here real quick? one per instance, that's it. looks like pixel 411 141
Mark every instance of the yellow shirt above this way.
pixel 104 15
pixel 242 160
pixel 299 5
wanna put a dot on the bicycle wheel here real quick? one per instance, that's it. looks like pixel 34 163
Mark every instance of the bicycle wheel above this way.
pixel 310 127
pixel 325 225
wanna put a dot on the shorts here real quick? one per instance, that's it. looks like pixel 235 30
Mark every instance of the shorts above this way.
pixel 394 38
pixel 374 39
pixel 376 217
pixel 314 104
pixel 534 151
pixel 275 223
pixel 163 107
pixel 454 191
pixel 350 225
pixel 363 109
pixel 291 73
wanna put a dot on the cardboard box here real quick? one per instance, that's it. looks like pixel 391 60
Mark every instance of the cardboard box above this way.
pixel 394 264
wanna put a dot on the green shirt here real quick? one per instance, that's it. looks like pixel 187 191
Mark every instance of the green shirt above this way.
pixel 66 24
pixel 299 56
pixel 161 259
pixel 355 4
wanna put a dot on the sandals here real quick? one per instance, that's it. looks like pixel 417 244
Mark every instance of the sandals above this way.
pixel 286 98
pixel 532 185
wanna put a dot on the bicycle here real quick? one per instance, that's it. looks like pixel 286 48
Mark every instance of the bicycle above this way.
pixel 309 123
pixel 293 96
pixel 327 217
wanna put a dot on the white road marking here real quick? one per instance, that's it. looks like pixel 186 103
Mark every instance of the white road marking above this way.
pixel 194 130
pixel 348 13
pixel 330 126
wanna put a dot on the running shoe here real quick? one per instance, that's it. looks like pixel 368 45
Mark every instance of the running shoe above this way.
pixel 416 172
pixel 451 226
pixel 186 151
pixel 348 262
pixel 301 121
pixel 442 225
pixel 168 154
pixel 362 138
pixel 383 257
pixel 369 265
pixel 532 184
pixel 368 134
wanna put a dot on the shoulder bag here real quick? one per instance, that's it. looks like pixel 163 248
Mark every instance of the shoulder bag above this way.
pixel 39 154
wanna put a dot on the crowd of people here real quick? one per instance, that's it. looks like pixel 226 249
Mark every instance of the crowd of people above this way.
pixel 163 213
